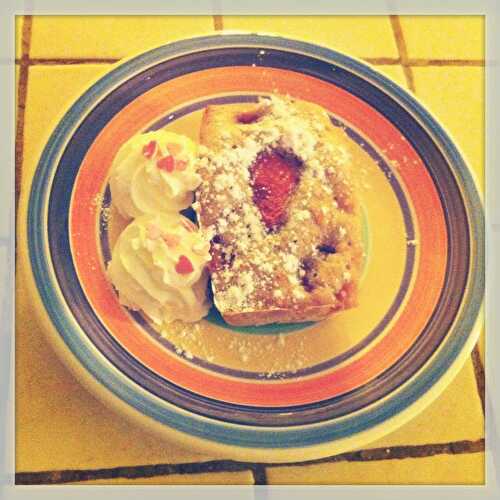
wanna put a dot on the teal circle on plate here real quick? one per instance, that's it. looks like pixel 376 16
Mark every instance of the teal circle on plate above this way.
pixel 215 317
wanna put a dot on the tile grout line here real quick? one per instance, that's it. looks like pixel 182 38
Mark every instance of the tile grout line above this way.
pixel 403 55
pixel 47 61
pixel 419 62
pixel 258 469
pixel 479 375
pixel 380 61
pixel 22 93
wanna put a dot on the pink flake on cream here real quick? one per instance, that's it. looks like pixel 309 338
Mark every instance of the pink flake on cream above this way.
pixel 166 163
pixel 153 232
pixel 184 265
pixel 149 149
pixel 180 165
pixel 173 148
pixel 172 240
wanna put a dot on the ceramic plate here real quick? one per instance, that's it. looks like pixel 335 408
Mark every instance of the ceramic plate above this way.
pixel 320 387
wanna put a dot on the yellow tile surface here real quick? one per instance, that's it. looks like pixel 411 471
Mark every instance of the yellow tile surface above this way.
pixel 110 36
pixel 456 97
pixel 451 417
pixel 51 90
pixel 212 478
pixel 361 36
pixel 466 469
pixel 394 72
pixel 444 37
pixel 18 34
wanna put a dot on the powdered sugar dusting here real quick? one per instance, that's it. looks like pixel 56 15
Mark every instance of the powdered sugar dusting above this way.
pixel 251 263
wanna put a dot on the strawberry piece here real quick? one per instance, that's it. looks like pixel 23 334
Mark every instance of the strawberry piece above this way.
pixel 174 148
pixel 274 179
pixel 149 149
pixel 184 265
pixel 172 240
pixel 180 165
pixel 166 163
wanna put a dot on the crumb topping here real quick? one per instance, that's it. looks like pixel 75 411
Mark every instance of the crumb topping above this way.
pixel 253 267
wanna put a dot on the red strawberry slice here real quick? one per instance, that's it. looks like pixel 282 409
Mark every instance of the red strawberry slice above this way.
pixel 184 265
pixel 149 149
pixel 274 177
pixel 166 163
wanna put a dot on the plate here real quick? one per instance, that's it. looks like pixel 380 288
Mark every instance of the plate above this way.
pixel 280 392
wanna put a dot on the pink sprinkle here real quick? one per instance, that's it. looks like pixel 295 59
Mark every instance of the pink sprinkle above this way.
pixel 153 232
pixel 184 265
pixel 172 240
pixel 174 148
pixel 180 165
pixel 149 149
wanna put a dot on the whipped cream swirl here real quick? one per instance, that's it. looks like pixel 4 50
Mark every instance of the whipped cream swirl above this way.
pixel 158 265
pixel 154 172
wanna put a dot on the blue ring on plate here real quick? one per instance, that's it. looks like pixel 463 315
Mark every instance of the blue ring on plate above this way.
pixel 366 394
pixel 222 432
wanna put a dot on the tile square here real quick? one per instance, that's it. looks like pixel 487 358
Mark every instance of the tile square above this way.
pixel 110 36
pixel 18 33
pixel 465 469
pixel 51 90
pixel 360 36
pixel 444 37
pixel 455 95
pixel 456 415
pixel 394 72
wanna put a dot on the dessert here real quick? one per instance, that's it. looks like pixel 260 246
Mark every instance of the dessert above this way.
pixel 279 204
pixel 158 265
pixel 154 172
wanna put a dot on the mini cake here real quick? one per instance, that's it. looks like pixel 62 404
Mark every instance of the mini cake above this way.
pixel 278 202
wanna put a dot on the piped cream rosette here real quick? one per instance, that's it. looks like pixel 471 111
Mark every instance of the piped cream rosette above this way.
pixel 154 172
pixel 158 265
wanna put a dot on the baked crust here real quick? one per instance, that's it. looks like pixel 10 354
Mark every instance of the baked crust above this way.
pixel 310 266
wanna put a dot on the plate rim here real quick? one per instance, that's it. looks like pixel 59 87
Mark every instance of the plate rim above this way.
pixel 287 42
